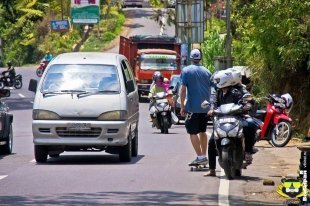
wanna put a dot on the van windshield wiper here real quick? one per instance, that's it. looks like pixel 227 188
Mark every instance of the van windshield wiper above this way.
pixel 65 92
pixel 98 92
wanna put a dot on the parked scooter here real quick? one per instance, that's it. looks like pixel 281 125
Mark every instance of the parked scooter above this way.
pixel 229 137
pixel 42 66
pixel 7 81
pixel 274 123
pixel 162 116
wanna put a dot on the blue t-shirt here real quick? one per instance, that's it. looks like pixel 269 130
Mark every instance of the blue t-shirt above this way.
pixel 196 78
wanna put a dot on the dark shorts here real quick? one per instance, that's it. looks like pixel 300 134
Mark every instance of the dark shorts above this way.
pixel 196 123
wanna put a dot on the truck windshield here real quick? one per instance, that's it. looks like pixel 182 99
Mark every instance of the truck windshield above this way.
pixel 81 77
pixel 158 62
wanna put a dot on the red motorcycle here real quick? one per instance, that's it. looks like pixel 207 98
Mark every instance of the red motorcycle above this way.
pixel 41 67
pixel 274 123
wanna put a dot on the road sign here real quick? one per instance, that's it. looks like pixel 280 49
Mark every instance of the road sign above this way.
pixel 85 11
pixel 190 21
pixel 60 25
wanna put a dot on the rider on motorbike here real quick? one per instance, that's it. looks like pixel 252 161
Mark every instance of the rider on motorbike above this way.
pixel 11 72
pixel 157 86
pixel 48 56
pixel 230 90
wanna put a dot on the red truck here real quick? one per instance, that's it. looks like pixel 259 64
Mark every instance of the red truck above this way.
pixel 148 54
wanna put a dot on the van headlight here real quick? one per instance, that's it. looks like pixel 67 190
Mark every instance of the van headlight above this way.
pixel 39 114
pixel 113 115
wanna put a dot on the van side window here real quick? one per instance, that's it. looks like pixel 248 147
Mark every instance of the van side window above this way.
pixel 128 77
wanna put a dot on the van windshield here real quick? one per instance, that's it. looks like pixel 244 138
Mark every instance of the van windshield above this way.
pixel 81 77
pixel 158 62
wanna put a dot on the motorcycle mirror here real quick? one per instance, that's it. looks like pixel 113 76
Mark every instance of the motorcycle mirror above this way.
pixel 205 104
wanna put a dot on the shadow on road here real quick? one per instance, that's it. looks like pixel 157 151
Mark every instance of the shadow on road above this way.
pixel 19 103
pixel 79 159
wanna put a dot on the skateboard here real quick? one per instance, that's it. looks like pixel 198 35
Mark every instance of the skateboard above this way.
pixel 198 167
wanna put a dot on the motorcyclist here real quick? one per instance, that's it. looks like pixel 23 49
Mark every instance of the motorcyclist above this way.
pixel 11 72
pixel 230 90
pixel 48 56
pixel 157 86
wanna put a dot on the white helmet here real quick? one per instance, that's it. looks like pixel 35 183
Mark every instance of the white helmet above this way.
pixel 223 78
pixel 236 75
pixel 195 54
pixel 288 100
pixel 226 78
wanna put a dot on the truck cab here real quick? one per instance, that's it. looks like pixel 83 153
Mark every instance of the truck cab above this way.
pixel 148 54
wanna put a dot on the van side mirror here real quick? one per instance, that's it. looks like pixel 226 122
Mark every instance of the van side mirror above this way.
pixel 130 86
pixel 33 85
pixel 5 93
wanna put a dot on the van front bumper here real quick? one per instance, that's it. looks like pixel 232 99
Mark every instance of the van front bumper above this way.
pixel 100 133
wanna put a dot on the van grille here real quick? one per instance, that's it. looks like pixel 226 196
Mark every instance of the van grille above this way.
pixel 64 132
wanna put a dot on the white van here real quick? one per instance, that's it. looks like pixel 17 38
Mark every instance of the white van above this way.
pixel 86 101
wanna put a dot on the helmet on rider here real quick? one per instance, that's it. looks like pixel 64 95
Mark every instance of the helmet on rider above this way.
pixel 288 100
pixel 224 78
pixel 195 54
pixel 9 63
pixel 158 78
pixel 236 75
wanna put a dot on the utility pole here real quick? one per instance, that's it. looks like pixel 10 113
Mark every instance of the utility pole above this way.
pixel 62 12
pixel 228 36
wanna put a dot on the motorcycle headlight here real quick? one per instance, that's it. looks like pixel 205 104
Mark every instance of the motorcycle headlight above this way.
pixel 220 132
pixel 39 114
pixel 113 115
pixel 233 132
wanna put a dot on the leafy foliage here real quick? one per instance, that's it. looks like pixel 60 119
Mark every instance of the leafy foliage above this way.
pixel 273 38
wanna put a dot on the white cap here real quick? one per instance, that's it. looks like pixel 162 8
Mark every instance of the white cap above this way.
pixel 195 54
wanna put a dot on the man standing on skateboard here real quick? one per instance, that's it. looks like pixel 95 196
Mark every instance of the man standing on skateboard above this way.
pixel 196 82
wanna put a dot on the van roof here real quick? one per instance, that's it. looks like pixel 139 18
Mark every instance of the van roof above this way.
pixel 87 58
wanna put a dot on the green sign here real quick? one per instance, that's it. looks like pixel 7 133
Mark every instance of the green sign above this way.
pixel 85 11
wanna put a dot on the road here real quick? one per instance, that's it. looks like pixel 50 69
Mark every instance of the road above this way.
pixel 158 176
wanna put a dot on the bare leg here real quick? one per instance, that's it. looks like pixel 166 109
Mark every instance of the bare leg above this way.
pixel 196 144
pixel 203 142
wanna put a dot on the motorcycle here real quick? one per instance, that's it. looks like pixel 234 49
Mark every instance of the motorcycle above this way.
pixel 6 81
pixel 43 64
pixel 274 123
pixel 229 137
pixel 161 114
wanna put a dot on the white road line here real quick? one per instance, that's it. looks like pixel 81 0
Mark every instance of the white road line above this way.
pixel 2 176
pixel 21 95
pixel 31 102
pixel 33 160
pixel 223 190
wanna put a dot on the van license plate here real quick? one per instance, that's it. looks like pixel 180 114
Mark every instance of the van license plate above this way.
pixel 78 126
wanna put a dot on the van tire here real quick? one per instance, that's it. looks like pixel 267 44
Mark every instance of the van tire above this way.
pixel 40 153
pixel 135 143
pixel 125 152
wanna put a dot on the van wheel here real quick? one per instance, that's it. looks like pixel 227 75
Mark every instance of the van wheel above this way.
pixel 40 153
pixel 125 152
pixel 8 147
pixel 135 143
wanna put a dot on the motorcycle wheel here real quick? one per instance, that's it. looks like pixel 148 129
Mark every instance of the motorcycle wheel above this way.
pixel 39 72
pixel 18 84
pixel 1 85
pixel 165 125
pixel 227 163
pixel 281 133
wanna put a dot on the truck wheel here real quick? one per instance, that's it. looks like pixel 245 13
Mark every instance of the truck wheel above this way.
pixel 125 152
pixel 40 153
pixel 135 143
pixel 8 147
